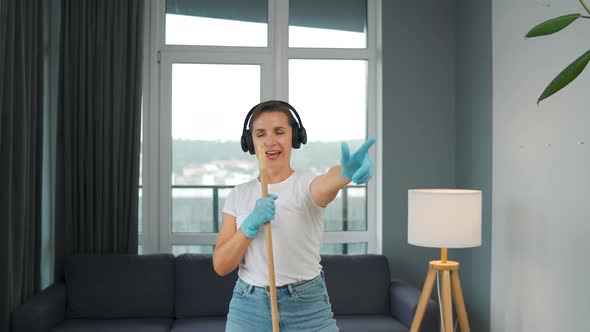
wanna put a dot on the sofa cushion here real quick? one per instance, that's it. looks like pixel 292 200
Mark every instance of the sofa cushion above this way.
pixel 199 290
pixel 120 286
pixel 209 324
pixel 114 325
pixel 357 284
pixel 369 323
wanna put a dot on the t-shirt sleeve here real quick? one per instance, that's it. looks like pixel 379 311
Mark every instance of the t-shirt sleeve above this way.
pixel 306 190
pixel 231 203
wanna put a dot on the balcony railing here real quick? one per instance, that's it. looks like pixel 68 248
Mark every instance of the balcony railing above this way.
pixel 216 218
pixel 215 197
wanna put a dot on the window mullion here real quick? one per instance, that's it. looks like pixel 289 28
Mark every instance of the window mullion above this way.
pixel 165 216
pixel 330 53
pixel 151 130
pixel 280 47
pixel 374 121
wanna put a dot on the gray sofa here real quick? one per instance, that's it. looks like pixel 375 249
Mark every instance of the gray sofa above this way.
pixel 160 292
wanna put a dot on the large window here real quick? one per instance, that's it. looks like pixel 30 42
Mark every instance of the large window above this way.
pixel 207 63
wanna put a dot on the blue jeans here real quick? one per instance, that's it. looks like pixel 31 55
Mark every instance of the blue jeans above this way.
pixel 302 306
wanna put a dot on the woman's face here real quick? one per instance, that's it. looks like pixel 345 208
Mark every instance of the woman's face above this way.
pixel 272 129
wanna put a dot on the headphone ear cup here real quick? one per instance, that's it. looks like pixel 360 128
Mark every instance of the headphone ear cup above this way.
pixel 249 142
pixel 302 135
pixel 243 142
pixel 295 142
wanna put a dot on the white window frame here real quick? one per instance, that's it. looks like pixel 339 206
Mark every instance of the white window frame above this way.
pixel 157 233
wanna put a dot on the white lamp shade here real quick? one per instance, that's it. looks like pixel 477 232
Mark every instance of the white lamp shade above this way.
pixel 444 218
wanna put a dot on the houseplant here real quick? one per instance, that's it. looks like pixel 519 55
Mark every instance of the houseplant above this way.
pixel 572 71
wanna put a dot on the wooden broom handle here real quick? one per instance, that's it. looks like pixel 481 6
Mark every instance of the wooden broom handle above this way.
pixel 269 254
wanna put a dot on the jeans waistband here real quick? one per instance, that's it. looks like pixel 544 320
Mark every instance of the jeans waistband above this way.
pixel 293 287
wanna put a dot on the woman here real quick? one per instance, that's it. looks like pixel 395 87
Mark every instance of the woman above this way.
pixel 295 204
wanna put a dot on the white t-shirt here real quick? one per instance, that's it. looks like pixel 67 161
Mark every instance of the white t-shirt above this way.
pixel 297 231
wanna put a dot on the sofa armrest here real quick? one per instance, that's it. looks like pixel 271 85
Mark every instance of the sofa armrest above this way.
pixel 42 312
pixel 404 300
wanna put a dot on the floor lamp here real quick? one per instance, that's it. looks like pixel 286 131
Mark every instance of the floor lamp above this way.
pixel 444 218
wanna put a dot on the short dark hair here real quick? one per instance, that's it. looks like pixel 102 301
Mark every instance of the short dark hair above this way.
pixel 272 106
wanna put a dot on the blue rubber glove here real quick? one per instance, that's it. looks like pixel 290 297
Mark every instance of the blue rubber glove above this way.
pixel 263 211
pixel 358 167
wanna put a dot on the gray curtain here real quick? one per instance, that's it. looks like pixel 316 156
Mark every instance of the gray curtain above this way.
pixel 98 128
pixel 21 132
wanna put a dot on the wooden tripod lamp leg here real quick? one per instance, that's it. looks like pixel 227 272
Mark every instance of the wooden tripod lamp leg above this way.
pixel 447 305
pixel 269 252
pixel 459 302
pixel 426 291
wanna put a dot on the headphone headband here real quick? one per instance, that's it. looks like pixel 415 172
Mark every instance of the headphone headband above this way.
pixel 264 103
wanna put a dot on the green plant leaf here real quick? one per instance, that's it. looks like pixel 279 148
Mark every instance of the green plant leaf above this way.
pixel 553 25
pixel 566 76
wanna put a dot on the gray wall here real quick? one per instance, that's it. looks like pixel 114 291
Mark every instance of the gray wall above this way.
pixel 437 114
pixel 474 148
pixel 418 119
pixel 541 177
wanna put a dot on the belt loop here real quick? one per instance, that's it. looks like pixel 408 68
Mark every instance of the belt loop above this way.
pixel 322 273
pixel 249 290
pixel 290 287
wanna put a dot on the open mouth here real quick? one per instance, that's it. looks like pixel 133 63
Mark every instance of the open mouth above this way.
pixel 272 155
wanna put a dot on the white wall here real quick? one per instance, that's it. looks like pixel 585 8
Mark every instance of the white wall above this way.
pixel 541 173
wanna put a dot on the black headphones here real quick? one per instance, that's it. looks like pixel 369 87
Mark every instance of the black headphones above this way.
pixel 299 133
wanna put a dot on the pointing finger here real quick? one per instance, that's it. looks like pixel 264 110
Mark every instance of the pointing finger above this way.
pixel 365 147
